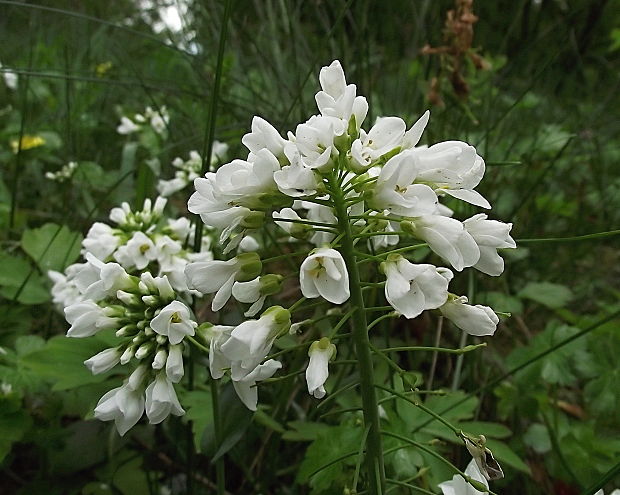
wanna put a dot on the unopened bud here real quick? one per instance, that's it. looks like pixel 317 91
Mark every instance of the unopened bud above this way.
pixel 144 350
pixel 270 284
pixel 250 267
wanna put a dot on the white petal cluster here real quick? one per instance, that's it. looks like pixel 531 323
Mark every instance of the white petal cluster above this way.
pixel 242 350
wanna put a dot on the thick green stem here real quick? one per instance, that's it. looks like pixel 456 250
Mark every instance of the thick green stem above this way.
pixel 359 327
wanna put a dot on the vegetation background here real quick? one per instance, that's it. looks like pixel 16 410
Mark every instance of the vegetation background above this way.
pixel 533 84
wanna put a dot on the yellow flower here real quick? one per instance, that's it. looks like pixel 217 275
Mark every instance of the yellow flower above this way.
pixel 27 142
pixel 102 68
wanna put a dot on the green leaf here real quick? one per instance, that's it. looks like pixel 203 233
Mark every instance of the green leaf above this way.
pixel 537 437
pixel 501 302
pixel 18 279
pixel 261 417
pixel 235 418
pixel 506 455
pixel 52 246
pixel 326 449
pixel 61 361
pixel 489 430
pixel 199 407
pixel 304 431
pixel 13 425
pixel 547 294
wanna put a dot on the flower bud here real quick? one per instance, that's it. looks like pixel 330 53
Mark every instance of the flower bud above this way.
pixel 408 226
pixel 151 300
pixel 128 354
pixel 127 330
pixel 270 284
pixel 128 298
pixel 159 361
pixel 144 350
pixel 250 267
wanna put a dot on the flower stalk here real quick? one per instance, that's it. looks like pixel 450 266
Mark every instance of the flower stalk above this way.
pixel 359 328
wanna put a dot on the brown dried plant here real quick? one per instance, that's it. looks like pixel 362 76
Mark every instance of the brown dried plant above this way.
pixel 458 35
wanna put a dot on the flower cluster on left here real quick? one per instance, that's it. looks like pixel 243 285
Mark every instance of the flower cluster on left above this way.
pixel 115 290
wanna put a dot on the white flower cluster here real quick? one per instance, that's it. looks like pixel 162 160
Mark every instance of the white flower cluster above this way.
pixel 65 173
pixel 189 170
pixel 158 120
pixel 140 240
pixel 115 289
pixel 391 189
pixel 329 182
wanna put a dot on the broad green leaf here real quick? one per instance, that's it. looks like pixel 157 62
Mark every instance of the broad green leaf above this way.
pixel 199 407
pixel 537 437
pixel 325 451
pixel 61 362
pixel 547 294
pixel 304 431
pixel 52 246
pixel 506 455
pixel 235 419
pixel 13 424
pixel 489 430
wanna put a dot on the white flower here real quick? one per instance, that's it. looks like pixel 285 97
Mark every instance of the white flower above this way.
pixel 264 136
pixel 458 485
pixel 413 135
pixel 96 280
pixel 87 318
pixel 315 141
pixel 615 492
pixel 246 387
pixel 396 192
pixel 175 322
pixel 490 235
pixel 127 126
pixel 320 352
pixel 123 405
pixel 324 273
pixel 101 241
pixel 294 229
pixel 475 320
pixel 448 238
pixel 320 214
pixel 296 180
pixel 454 168
pixel 249 292
pixel 120 214
pixel 156 285
pixel 411 289
pixel 218 362
pixel 161 400
pixel 337 99
pixel 181 228
pixel 248 244
pixel 103 361
pixel 169 187
pixel 64 291
pixel 384 136
pixel 10 78
pixel 219 276
pixel 167 250
pixel 174 363
pixel 250 341
pixel 138 252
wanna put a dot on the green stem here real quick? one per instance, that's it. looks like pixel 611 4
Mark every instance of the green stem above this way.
pixel 359 327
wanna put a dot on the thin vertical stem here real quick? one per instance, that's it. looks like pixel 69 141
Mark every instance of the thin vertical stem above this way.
pixel 459 360
pixel 431 375
pixel 359 327
pixel 207 150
